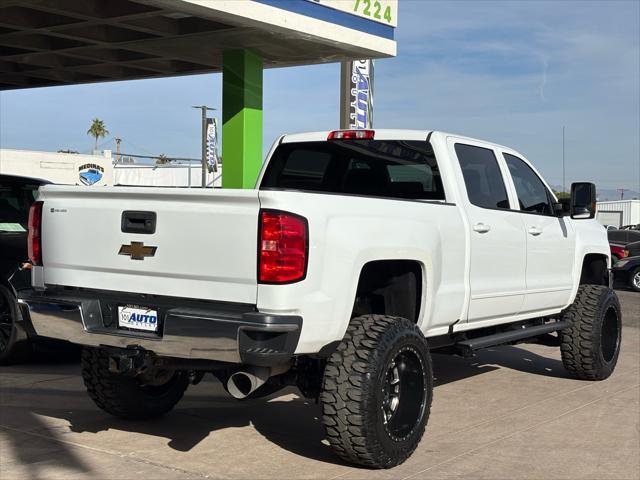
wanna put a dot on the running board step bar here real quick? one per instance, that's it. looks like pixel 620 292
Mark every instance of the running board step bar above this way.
pixel 467 347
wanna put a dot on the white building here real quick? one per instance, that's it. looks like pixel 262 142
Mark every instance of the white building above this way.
pixel 62 168
pixel 619 212
pixel 99 170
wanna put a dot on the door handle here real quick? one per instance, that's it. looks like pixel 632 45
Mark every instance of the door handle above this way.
pixel 481 228
pixel 535 231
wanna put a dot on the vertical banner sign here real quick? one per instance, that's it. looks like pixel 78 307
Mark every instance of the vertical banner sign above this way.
pixel 212 144
pixel 357 95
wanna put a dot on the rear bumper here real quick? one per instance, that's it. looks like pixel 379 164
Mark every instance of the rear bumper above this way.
pixel 233 333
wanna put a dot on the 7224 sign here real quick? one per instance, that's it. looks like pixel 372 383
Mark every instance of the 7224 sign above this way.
pixel 376 9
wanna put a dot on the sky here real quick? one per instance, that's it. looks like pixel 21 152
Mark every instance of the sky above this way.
pixel 511 72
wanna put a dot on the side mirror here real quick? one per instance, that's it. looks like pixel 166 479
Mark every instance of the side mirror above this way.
pixel 583 200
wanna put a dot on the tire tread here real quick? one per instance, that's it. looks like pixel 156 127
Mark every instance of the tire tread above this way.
pixel 345 395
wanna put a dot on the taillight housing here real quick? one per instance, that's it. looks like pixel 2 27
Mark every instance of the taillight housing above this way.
pixel 351 135
pixel 34 239
pixel 283 247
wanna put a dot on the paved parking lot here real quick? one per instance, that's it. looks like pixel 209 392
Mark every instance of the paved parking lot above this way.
pixel 510 412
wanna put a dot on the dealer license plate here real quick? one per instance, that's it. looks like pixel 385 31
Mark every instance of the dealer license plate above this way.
pixel 138 318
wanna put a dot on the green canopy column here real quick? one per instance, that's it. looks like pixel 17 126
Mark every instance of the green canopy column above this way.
pixel 241 118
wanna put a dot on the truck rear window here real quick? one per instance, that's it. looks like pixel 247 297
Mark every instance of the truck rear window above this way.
pixel 379 168
pixel 15 200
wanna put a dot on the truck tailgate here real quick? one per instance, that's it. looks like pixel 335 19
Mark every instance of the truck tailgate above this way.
pixel 205 241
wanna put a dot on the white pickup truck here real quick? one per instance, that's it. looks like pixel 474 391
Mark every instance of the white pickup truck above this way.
pixel 357 254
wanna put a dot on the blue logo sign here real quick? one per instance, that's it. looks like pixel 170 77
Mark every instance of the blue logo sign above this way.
pixel 90 173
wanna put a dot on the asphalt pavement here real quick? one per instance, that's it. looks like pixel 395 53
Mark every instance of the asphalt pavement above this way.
pixel 508 413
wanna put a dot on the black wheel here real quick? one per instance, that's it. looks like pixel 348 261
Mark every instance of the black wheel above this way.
pixel 590 347
pixel 634 279
pixel 133 398
pixel 377 390
pixel 14 343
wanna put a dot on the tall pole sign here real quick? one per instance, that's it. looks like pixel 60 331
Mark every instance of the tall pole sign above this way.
pixel 212 144
pixel 356 94
pixel 204 136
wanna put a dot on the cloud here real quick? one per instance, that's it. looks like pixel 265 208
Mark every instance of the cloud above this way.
pixel 543 81
pixel 515 73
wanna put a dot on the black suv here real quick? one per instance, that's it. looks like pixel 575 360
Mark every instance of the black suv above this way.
pixel 623 236
pixel 16 196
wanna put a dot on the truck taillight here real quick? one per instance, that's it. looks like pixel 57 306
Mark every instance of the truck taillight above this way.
pixel 34 239
pixel 351 135
pixel 283 247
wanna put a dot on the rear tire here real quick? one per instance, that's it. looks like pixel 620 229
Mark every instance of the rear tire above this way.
pixel 591 345
pixel 125 396
pixel 377 391
pixel 15 346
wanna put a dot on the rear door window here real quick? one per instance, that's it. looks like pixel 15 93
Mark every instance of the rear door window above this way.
pixel 482 176
pixel 379 168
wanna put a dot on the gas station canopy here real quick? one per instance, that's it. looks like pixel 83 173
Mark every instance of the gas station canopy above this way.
pixel 68 42
pixel 65 42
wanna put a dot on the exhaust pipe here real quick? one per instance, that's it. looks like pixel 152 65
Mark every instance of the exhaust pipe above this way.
pixel 244 382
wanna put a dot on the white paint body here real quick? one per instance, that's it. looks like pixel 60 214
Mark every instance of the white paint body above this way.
pixel 207 248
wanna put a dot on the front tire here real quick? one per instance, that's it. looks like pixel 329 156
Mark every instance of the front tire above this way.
pixel 124 396
pixel 377 391
pixel 591 345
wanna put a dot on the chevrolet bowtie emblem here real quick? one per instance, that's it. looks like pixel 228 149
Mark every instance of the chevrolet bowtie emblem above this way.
pixel 137 251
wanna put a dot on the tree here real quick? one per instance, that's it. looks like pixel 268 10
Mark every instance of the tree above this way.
pixel 162 159
pixel 562 195
pixel 97 130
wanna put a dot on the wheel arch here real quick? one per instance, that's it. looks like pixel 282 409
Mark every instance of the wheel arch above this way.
pixel 594 269
pixel 393 287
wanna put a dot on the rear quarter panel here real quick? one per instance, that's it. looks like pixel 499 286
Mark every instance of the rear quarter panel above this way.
pixel 345 233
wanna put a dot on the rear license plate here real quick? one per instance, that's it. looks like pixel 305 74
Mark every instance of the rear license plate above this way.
pixel 138 318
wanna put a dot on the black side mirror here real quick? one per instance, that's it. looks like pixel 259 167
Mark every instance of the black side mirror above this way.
pixel 583 200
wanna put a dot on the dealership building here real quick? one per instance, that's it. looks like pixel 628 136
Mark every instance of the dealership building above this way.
pixel 103 169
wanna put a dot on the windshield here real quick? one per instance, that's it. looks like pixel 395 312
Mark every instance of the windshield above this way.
pixel 15 200
pixel 378 168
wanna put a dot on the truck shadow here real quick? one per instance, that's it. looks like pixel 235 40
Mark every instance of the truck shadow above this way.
pixel 448 368
pixel 285 419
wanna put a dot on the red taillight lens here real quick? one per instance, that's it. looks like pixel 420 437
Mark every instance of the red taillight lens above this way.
pixel 351 135
pixel 34 244
pixel 283 247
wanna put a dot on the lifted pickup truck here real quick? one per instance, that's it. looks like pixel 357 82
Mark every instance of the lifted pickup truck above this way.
pixel 358 253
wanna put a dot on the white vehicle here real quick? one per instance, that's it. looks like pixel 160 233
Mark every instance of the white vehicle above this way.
pixel 357 254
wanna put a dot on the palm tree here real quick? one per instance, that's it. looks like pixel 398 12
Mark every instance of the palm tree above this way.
pixel 97 130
